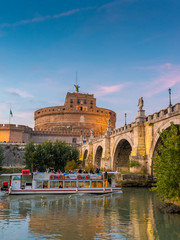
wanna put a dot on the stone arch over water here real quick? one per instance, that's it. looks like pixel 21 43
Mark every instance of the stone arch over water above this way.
pixel 85 155
pixel 98 156
pixel 121 155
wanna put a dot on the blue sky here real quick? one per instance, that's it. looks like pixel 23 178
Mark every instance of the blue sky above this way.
pixel 121 49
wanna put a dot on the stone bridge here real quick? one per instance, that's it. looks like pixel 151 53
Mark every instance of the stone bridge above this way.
pixel 136 142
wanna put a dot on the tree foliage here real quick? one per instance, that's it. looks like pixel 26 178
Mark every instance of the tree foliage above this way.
pixel 47 154
pixel 166 164
pixel 1 156
pixel 71 165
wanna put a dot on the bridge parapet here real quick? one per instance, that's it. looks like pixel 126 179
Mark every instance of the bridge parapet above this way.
pixel 163 113
pixel 123 129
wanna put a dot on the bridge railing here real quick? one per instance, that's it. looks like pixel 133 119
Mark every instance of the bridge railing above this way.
pixel 163 113
pixel 125 128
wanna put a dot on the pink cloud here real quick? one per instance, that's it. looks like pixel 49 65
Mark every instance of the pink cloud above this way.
pixel 104 90
pixel 169 76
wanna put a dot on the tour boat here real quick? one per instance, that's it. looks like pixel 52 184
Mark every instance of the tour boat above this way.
pixel 64 183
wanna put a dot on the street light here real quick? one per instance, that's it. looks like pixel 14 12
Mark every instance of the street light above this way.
pixel 170 104
pixel 125 117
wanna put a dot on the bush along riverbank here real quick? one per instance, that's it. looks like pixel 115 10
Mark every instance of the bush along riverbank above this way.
pixel 170 207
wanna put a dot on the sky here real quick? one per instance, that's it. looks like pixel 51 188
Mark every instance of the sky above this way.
pixel 121 50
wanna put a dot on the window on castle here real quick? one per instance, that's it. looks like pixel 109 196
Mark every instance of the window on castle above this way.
pixel 91 102
pixel 84 101
pixel 78 101
pixel 71 101
pixel 74 140
pixel 71 105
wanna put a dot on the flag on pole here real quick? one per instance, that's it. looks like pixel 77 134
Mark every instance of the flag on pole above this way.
pixel 11 165
pixel 11 114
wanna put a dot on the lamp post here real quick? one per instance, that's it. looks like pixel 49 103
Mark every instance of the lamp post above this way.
pixel 170 104
pixel 125 117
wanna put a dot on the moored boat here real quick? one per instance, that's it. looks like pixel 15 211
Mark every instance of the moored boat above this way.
pixel 64 183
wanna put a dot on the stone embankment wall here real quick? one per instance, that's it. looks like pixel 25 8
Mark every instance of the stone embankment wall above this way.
pixel 13 154
pixel 136 180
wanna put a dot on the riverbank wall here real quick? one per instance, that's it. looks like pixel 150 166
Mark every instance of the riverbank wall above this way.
pixel 135 180
pixel 13 155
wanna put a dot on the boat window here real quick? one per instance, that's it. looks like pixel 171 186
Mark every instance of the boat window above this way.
pixel 54 184
pixel 96 184
pixel 73 184
pixel 80 184
pixel 61 184
pixel 39 184
pixel 70 184
pixel 45 184
pixel 87 184
pixel 67 184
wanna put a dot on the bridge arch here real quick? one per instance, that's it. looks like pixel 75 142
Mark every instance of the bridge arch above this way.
pixel 156 138
pixel 85 156
pixel 98 156
pixel 121 153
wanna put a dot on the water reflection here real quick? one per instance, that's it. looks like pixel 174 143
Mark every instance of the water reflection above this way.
pixel 130 215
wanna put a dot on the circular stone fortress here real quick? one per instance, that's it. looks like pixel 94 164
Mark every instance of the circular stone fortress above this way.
pixel 74 122
pixel 79 114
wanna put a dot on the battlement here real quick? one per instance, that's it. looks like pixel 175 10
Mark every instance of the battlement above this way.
pixel 15 127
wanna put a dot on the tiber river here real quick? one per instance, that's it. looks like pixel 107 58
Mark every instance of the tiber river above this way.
pixel 133 214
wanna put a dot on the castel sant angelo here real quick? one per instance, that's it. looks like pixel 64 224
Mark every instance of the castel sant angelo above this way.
pixel 74 122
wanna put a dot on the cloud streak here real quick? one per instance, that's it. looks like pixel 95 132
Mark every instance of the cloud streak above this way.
pixel 45 18
pixel 169 76
pixel 105 90
pixel 19 93
pixel 115 3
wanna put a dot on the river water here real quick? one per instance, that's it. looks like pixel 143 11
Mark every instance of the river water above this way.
pixel 132 214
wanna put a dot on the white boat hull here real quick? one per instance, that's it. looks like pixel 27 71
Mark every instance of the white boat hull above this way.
pixel 63 191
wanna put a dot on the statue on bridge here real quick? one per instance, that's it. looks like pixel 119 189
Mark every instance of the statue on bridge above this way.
pixel 141 103
pixel 91 134
pixel 109 122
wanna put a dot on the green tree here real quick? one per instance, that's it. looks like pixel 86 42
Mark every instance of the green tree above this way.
pixel 166 164
pixel 46 155
pixel 64 153
pixel 29 156
pixel 71 165
pixel 1 156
